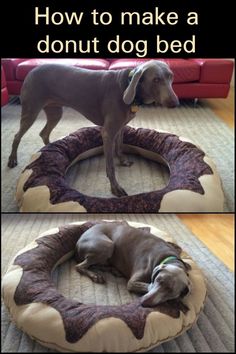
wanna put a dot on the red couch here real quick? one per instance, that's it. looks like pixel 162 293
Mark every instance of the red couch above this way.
pixel 4 90
pixel 193 78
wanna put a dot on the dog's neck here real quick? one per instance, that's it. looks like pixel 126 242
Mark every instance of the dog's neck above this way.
pixel 173 259
pixel 169 259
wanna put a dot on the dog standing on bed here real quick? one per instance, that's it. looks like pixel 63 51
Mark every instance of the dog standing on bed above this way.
pixel 152 266
pixel 108 98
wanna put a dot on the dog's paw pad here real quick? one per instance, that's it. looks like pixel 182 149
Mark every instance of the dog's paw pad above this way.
pixel 126 163
pixel 99 279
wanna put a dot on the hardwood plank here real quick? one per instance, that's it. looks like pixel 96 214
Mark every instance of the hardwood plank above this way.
pixel 216 231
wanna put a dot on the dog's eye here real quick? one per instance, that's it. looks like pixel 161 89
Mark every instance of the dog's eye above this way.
pixel 154 275
pixel 184 292
pixel 156 80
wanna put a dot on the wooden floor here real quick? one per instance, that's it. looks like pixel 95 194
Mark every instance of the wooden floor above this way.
pixel 216 231
pixel 223 107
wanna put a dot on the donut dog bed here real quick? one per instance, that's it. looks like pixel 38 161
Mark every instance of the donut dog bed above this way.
pixel 193 177
pixel 37 308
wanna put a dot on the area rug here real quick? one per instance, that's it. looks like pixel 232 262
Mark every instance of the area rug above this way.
pixel 214 330
pixel 198 123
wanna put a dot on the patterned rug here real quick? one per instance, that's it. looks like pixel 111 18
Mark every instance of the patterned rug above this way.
pixel 214 330
pixel 199 124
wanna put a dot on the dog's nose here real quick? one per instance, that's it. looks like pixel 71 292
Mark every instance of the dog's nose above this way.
pixel 146 302
pixel 172 102
pixel 150 299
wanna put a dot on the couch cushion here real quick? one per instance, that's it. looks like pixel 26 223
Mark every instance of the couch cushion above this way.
pixel 118 64
pixel 215 71
pixel 184 70
pixel 25 67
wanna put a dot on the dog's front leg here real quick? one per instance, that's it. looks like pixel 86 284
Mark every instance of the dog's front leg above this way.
pixel 138 287
pixel 137 284
pixel 108 136
pixel 124 161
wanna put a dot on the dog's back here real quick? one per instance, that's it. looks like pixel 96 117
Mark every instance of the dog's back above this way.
pixel 81 89
pixel 136 249
pixel 133 248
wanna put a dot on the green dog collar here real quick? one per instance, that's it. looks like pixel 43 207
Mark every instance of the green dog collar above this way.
pixel 167 259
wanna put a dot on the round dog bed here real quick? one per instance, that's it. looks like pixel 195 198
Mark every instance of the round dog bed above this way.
pixel 194 184
pixel 65 324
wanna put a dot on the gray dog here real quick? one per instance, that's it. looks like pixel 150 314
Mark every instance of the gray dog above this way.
pixel 152 266
pixel 106 98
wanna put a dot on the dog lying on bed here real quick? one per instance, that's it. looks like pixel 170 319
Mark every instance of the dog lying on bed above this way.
pixel 152 266
pixel 108 98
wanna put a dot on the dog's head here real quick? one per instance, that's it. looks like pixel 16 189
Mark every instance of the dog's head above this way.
pixel 169 281
pixel 151 82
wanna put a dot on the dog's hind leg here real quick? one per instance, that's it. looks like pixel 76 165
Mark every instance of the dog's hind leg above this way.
pixel 53 115
pixel 29 114
pixel 95 251
pixel 82 268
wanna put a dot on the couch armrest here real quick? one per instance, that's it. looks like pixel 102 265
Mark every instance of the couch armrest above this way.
pixel 215 70
pixel 10 65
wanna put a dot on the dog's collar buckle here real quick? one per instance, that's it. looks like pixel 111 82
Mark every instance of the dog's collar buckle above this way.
pixel 134 107
pixel 167 259
pixel 131 74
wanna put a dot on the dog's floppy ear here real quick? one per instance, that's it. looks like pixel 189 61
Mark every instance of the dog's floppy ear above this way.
pixel 187 266
pixel 130 92
pixel 176 247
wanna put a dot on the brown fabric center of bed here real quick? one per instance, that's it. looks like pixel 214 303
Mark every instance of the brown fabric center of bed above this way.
pixel 185 162
pixel 36 286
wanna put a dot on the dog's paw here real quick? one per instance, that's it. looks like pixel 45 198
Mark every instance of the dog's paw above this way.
pixel 126 163
pixel 12 162
pixel 98 278
pixel 77 268
pixel 118 191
